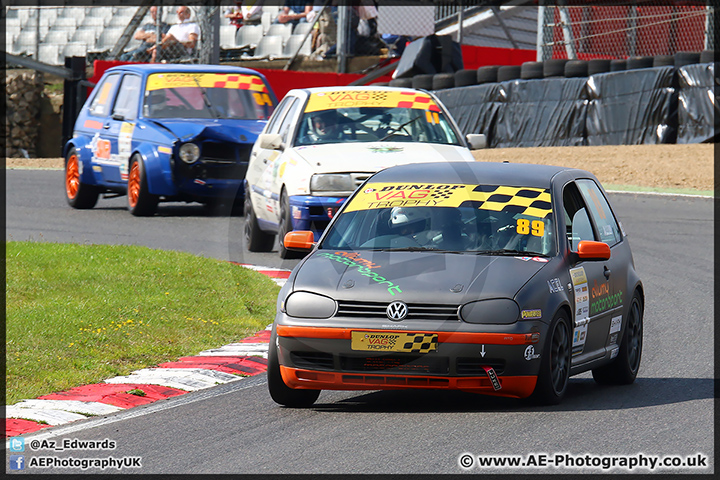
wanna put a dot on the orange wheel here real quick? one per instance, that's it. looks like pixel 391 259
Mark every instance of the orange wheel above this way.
pixel 78 194
pixel 141 202
pixel 134 185
pixel 72 176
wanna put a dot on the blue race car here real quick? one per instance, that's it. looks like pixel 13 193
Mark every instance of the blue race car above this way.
pixel 167 133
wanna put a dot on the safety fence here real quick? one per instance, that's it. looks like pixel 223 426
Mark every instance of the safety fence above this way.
pixel 581 30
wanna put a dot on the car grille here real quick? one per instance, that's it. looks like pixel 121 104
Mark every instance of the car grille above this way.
pixel 359 178
pixel 221 161
pixel 313 360
pixel 396 363
pixel 416 311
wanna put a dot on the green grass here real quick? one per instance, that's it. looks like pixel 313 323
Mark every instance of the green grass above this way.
pixel 78 314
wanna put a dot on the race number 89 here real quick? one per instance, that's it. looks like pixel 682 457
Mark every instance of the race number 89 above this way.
pixel 526 227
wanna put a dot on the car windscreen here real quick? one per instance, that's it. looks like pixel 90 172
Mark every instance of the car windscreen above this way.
pixel 490 219
pixel 371 116
pixel 205 95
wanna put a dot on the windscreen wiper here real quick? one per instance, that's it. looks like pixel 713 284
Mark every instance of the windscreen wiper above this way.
pixel 206 99
pixel 395 130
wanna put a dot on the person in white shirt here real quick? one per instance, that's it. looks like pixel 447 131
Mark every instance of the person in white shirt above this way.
pixel 181 39
pixel 252 12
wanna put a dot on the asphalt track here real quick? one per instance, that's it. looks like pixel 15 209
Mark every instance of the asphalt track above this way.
pixel 236 428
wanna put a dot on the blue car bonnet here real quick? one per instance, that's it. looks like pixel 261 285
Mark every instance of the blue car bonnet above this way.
pixel 233 131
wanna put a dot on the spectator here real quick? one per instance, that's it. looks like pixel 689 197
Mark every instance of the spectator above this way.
pixel 146 34
pixel 252 11
pixel 235 15
pixel 294 12
pixel 324 42
pixel 368 41
pixel 181 40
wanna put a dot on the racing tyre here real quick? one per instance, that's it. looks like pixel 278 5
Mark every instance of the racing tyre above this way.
pixel 255 239
pixel 141 202
pixel 280 392
pixel 598 65
pixel 707 56
pixel 423 81
pixel 623 370
pixel 555 67
pixel 618 65
pixel 442 81
pixel 686 58
pixel 508 72
pixel 531 70
pixel 285 227
pixel 487 74
pixel 79 195
pixel 576 68
pixel 466 77
pixel 554 363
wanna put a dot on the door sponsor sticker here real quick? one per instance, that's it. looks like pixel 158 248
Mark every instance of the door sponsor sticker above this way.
pixel 582 309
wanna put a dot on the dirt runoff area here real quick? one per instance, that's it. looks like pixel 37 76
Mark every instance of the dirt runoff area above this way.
pixel 649 166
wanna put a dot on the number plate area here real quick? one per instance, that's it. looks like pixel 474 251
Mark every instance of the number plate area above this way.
pixel 394 342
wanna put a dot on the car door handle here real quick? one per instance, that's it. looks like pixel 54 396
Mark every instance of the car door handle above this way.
pixel 607 272
pixel 106 126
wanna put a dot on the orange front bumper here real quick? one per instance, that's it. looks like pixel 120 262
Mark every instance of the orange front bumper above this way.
pixel 516 386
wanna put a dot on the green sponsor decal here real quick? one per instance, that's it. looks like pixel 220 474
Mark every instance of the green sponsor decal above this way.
pixel 363 270
pixel 606 303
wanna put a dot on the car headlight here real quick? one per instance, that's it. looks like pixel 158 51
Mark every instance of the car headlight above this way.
pixel 492 311
pixel 189 153
pixel 309 305
pixel 336 182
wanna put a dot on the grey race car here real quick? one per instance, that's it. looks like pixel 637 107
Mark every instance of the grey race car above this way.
pixel 496 278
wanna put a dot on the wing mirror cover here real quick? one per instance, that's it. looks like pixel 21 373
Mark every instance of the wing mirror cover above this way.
pixel 271 141
pixel 476 141
pixel 301 240
pixel 588 250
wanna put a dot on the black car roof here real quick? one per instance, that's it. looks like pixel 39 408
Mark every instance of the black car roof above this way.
pixel 488 173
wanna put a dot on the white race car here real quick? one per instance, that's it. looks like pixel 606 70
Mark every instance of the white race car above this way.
pixel 321 143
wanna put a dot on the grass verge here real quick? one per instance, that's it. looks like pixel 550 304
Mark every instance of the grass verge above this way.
pixel 78 314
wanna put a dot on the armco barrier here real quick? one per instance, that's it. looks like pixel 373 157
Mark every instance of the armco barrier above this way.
pixel 630 107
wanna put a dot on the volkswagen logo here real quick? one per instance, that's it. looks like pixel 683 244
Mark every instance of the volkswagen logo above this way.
pixel 396 311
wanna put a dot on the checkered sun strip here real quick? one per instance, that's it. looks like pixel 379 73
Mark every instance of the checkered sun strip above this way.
pixel 254 83
pixel 370 98
pixel 421 343
pixel 533 202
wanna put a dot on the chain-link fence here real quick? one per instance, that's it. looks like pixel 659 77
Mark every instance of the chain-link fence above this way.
pixel 623 31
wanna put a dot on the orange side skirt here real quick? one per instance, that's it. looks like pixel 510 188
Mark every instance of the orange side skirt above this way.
pixel 516 386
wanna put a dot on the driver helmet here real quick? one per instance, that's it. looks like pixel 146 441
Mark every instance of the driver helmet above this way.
pixel 413 219
pixel 325 124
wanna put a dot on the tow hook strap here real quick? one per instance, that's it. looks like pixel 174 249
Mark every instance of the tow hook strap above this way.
pixel 493 377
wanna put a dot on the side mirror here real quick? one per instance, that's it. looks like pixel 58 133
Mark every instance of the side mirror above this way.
pixel 588 250
pixel 118 116
pixel 476 141
pixel 270 141
pixel 299 240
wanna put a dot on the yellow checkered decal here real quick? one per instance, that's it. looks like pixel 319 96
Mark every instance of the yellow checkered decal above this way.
pixel 420 343
pixel 533 202
pixel 370 98
pixel 157 81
